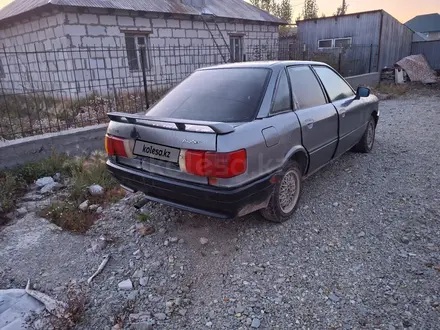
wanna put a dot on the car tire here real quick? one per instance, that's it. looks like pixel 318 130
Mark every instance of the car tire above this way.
pixel 285 198
pixel 365 145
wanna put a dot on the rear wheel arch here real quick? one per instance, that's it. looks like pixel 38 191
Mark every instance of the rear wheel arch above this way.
pixel 299 155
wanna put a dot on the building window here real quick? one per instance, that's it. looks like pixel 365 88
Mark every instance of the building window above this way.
pixel 335 43
pixel 138 51
pixel 343 42
pixel 326 43
pixel 236 44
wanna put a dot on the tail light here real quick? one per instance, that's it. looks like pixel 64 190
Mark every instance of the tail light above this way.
pixel 214 164
pixel 116 146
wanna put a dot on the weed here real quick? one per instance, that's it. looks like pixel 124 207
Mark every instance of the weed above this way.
pixel 84 172
pixel 114 195
pixel 67 216
pixel 11 187
pixel 13 182
pixel 392 89
pixel 47 167
pixel 76 303
pixel 28 113
pixel 76 306
pixel 87 172
pixel 142 217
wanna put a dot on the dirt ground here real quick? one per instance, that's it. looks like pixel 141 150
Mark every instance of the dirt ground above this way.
pixel 362 251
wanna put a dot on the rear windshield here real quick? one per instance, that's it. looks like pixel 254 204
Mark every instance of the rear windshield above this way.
pixel 226 95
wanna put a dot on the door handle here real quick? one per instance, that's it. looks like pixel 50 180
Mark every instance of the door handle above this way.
pixel 309 122
pixel 342 112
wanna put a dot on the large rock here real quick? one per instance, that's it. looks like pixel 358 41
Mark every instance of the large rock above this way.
pixel 96 190
pixel 44 181
pixel 84 206
pixel 50 187
pixel 255 323
pixel 125 285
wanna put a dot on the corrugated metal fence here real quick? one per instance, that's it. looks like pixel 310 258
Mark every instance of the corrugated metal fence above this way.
pixel 431 50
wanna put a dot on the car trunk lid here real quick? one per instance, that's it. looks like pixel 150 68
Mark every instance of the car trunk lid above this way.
pixel 158 143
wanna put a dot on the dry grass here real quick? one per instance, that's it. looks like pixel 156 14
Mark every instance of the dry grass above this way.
pixel 11 188
pixel 30 114
pixel 65 214
pixel 76 307
pixel 13 183
pixel 84 172
pixel 56 163
pixel 392 89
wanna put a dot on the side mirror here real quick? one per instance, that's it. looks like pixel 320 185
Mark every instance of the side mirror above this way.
pixel 362 92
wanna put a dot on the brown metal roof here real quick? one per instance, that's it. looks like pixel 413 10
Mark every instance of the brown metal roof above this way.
pixel 237 9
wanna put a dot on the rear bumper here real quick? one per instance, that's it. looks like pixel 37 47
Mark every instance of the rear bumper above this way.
pixel 207 200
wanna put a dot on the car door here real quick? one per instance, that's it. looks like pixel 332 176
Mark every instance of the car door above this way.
pixel 352 115
pixel 318 117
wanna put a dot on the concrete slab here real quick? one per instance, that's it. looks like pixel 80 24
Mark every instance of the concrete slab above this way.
pixel 15 307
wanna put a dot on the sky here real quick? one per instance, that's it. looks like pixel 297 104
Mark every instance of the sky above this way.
pixel 403 10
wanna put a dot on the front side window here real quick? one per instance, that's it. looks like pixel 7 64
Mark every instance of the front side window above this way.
pixel 138 52
pixel 282 101
pixel 236 44
pixel 225 95
pixel 306 89
pixel 337 88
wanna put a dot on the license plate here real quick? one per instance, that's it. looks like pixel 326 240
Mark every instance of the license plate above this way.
pixel 156 151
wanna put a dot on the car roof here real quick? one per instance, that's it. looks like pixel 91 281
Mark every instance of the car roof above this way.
pixel 261 64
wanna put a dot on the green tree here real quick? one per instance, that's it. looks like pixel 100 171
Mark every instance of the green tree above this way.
pixel 282 10
pixel 310 9
pixel 342 10
pixel 285 11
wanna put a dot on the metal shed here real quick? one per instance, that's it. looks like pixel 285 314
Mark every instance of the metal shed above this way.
pixel 374 39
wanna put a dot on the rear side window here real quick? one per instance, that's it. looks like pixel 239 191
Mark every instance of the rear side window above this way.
pixel 337 89
pixel 305 87
pixel 282 100
pixel 225 95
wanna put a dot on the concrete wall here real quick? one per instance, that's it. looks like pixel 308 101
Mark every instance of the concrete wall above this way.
pixel 178 45
pixel 36 33
pixel 366 80
pixel 26 64
pixel 73 142
pixel 94 57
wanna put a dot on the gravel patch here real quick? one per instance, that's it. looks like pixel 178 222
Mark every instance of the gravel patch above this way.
pixel 362 251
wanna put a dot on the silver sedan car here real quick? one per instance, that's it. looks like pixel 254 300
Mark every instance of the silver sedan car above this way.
pixel 239 138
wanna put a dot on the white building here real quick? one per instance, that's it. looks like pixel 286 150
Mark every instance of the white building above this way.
pixel 80 46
